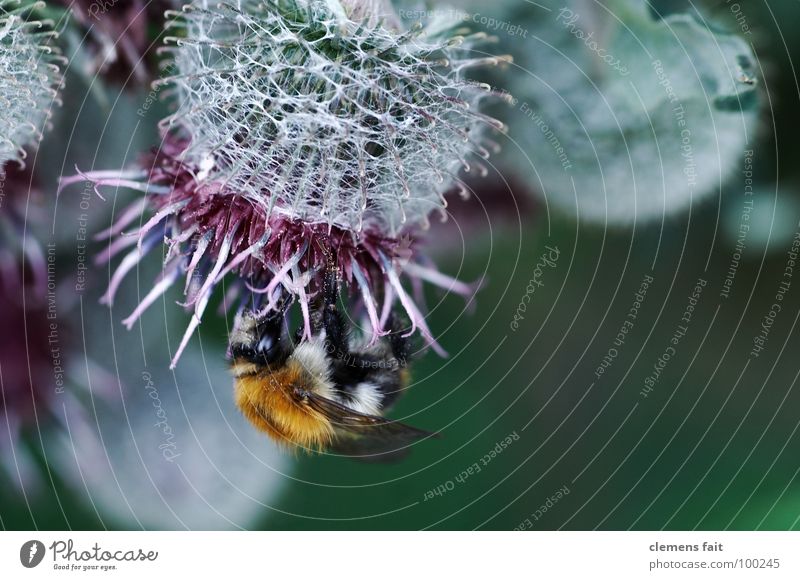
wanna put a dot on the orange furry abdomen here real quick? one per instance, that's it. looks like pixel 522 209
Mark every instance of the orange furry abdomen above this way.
pixel 269 402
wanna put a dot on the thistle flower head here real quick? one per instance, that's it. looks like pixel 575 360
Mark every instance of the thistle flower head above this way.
pixel 322 118
pixel 302 141
pixel 29 77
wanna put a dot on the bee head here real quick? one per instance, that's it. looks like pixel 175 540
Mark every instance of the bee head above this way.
pixel 261 340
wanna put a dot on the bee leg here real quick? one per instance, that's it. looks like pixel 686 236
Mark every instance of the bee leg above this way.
pixel 349 368
pixel 400 345
pixel 377 357
pixel 336 331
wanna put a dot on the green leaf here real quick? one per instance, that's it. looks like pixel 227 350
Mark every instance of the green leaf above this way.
pixel 643 116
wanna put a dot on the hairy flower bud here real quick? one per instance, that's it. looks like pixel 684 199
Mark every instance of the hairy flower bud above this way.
pixel 324 119
pixel 303 141
pixel 29 77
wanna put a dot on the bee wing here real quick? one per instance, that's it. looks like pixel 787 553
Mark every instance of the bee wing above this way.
pixel 366 436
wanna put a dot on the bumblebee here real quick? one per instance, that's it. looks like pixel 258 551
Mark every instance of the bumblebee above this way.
pixel 323 393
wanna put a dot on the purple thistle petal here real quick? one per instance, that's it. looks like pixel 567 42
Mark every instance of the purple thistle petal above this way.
pixel 175 244
pixel 114 248
pixel 166 281
pixel 125 219
pixel 124 178
pixel 417 319
pixel 386 310
pixel 441 280
pixel 129 262
pixel 242 256
pixel 369 302
pixel 198 254
pixel 158 218
pixel 212 232
pixel 401 293
pixel 303 299
pixel 193 324
pixel 280 275
pixel 220 263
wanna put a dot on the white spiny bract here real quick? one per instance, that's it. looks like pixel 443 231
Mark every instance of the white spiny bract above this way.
pixel 29 77
pixel 324 119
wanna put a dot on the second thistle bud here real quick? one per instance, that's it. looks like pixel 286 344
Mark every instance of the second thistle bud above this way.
pixel 29 77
